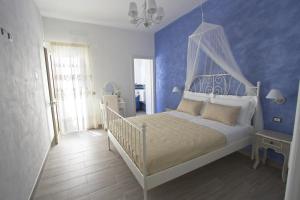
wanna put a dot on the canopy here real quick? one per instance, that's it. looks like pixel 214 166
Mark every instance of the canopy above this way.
pixel 210 43
pixel 209 53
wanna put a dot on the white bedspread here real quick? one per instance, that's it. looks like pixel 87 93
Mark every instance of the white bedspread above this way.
pixel 232 133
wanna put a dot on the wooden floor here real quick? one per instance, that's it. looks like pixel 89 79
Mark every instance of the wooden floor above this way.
pixel 81 168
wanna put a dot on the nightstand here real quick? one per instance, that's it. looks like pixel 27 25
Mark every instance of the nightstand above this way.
pixel 279 142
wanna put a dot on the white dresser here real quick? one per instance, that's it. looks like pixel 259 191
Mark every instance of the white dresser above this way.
pixel 121 106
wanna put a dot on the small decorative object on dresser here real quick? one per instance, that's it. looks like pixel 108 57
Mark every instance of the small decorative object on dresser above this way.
pixel 279 142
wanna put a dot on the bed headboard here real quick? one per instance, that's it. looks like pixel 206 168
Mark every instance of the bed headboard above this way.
pixel 225 84
pixel 222 84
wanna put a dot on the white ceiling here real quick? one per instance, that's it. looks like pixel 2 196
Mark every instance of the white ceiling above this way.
pixel 111 12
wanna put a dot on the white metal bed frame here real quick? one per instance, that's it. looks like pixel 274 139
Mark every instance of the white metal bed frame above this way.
pixel 126 130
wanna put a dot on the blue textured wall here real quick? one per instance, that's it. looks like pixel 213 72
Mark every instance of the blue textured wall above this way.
pixel 265 38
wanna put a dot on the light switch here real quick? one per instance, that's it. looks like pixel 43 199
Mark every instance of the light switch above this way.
pixel 277 119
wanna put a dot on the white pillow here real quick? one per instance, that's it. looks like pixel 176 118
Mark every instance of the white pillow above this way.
pixel 247 104
pixel 196 96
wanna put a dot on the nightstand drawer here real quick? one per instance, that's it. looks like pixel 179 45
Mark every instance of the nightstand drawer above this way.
pixel 272 143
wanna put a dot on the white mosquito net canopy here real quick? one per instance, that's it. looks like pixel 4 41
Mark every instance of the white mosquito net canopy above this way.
pixel 209 53
pixel 208 45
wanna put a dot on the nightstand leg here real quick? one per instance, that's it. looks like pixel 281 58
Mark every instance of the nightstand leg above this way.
pixel 253 151
pixel 256 157
pixel 108 140
pixel 265 156
pixel 284 168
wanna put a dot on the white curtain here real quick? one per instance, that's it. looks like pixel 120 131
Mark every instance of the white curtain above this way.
pixel 74 87
pixel 208 47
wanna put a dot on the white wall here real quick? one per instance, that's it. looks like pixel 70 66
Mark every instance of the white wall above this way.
pixel 112 51
pixel 293 181
pixel 24 134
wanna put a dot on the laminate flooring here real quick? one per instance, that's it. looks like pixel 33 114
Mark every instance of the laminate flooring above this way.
pixel 81 168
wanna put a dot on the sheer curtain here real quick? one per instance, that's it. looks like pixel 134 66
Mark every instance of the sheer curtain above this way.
pixel 74 87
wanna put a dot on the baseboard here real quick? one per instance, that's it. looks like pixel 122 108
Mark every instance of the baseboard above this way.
pixel 40 171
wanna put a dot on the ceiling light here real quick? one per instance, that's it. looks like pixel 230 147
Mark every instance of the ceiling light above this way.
pixel 151 14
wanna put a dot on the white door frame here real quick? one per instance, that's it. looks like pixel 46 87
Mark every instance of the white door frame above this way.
pixel 153 81
pixel 46 93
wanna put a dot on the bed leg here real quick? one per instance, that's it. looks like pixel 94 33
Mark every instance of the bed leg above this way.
pixel 108 143
pixel 144 161
pixel 145 194
pixel 252 152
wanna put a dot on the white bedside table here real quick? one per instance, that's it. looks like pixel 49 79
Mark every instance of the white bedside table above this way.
pixel 279 142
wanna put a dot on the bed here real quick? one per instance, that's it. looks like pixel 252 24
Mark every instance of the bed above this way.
pixel 174 143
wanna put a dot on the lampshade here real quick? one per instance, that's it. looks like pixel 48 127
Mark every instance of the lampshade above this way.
pixel 176 89
pixel 276 96
pixel 133 11
pixel 151 7
pixel 160 14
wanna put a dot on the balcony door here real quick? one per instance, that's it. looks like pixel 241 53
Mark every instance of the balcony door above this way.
pixel 73 87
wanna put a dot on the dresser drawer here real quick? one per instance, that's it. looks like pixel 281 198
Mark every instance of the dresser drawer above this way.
pixel 272 143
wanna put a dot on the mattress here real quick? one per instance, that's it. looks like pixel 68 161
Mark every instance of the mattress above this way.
pixel 232 133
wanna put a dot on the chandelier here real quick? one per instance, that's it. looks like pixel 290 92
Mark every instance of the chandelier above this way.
pixel 151 14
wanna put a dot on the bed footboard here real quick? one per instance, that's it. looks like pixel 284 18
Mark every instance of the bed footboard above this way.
pixel 132 140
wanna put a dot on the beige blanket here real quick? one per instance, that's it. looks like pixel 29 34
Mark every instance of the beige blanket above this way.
pixel 171 141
